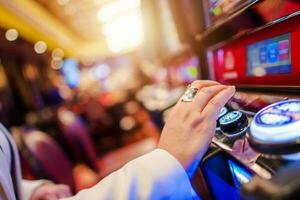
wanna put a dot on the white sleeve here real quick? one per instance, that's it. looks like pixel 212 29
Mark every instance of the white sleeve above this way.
pixel 156 175
pixel 28 187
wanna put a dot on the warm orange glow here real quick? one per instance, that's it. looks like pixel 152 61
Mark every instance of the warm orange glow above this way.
pixel 3 80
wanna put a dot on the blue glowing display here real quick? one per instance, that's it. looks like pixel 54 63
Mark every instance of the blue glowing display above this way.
pixel 239 174
pixel 224 176
pixel 71 72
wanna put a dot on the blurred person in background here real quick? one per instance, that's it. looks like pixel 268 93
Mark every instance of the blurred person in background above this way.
pixel 12 186
pixel 164 173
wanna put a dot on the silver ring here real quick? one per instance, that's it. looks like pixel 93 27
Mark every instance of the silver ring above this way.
pixel 189 94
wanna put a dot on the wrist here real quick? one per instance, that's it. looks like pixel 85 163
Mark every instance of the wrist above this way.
pixel 189 161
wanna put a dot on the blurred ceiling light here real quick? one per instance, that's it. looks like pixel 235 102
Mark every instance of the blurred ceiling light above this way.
pixel 40 47
pixel 62 2
pixel 11 34
pixel 115 8
pixel 56 64
pixel 121 24
pixel 57 54
pixel 124 33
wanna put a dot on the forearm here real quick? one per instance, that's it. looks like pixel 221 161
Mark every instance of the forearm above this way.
pixel 156 175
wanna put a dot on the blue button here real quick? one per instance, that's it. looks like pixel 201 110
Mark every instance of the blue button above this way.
pixel 273 52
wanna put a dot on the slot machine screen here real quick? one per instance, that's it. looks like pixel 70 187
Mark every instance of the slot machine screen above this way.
pixel 270 56
pixel 225 175
pixel 219 8
pixel 185 71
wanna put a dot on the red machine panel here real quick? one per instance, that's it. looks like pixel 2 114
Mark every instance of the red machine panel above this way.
pixel 270 56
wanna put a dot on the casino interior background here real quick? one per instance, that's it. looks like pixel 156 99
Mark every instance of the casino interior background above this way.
pixel 89 83
pixel 75 82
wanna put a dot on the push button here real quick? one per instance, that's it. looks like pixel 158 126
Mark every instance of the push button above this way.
pixel 233 123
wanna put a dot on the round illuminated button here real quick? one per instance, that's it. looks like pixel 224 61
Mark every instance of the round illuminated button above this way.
pixel 275 128
pixel 223 111
pixel 233 123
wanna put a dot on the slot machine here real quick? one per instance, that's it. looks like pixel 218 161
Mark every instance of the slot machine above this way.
pixel 255 153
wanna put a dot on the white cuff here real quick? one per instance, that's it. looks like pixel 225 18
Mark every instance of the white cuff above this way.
pixel 28 187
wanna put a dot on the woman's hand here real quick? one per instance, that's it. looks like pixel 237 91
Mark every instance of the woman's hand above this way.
pixel 50 191
pixel 191 126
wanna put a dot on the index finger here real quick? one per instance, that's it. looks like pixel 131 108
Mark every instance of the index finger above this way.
pixel 212 109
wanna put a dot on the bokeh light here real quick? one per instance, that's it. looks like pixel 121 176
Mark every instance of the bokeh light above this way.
pixel 57 54
pixel 40 47
pixel 11 34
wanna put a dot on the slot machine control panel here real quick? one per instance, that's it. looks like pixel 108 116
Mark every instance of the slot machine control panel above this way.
pixel 269 128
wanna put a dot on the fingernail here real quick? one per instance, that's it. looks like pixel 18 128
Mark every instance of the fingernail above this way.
pixel 231 87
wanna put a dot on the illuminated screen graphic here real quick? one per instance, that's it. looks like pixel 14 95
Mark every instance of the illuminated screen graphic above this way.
pixel 218 7
pixel 274 119
pixel 271 56
pixel 224 176
pixel 282 113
